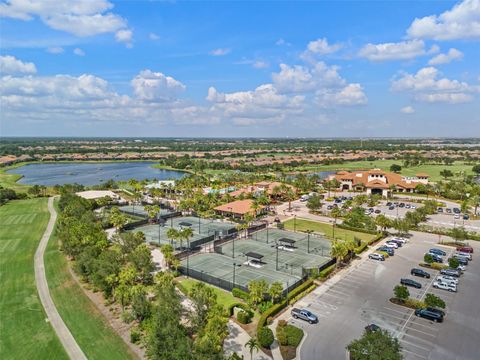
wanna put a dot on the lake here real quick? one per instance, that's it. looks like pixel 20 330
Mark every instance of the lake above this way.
pixel 90 173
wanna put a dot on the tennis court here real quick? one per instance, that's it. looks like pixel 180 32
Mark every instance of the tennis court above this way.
pixel 156 234
pixel 301 242
pixel 217 270
pixel 139 210
pixel 203 226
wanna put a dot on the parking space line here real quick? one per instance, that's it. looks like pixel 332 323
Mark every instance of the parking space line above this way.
pixel 336 291
pixel 423 325
pixel 393 316
pixel 422 332
pixel 415 345
pixel 414 354
pixel 398 311
pixel 334 296
pixel 422 341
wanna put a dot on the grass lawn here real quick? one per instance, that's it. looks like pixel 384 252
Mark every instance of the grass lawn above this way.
pixel 432 170
pixel 223 297
pixel 24 333
pixel 89 327
pixel 327 229
pixel 10 180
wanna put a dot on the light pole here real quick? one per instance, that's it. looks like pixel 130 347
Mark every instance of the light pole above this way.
pixel 308 241
pixel 199 224
pixel 234 267
pixel 188 255
pixel 295 223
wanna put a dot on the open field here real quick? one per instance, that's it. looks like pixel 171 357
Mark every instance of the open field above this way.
pixel 432 170
pixel 224 298
pixel 91 330
pixel 327 229
pixel 24 333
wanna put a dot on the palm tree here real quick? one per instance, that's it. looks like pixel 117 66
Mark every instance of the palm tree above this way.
pixel 184 235
pixel 338 251
pixel 383 222
pixel 252 346
pixel 173 235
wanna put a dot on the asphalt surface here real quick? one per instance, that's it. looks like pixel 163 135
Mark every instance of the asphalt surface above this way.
pixel 361 297
pixel 66 338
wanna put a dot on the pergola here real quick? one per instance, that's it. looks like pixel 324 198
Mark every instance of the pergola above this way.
pixel 254 255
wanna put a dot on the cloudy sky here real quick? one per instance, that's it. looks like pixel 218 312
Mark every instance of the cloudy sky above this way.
pixel 314 69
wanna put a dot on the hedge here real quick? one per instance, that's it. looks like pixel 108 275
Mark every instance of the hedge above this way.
pixel 238 305
pixel 294 335
pixel 244 317
pixel 239 293
pixel 436 266
pixel 366 231
pixel 361 248
pixel 181 287
pixel 327 271
pixel 275 309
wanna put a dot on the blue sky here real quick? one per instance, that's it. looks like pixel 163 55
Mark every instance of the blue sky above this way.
pixel 314 69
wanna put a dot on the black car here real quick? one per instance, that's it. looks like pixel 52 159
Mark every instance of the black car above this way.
pixel 437 252
pixel 449 211
pixel 386 249
pixel 389 203
pixel 437 258
pixel 438 311
pixel 430 315
pixel 450 272
pixel 456 210
pixel 466 217
pixel 420 272
pixel 401 205
pixel 391 207
pixel 410 282
pixel 372 328
pixel 440 210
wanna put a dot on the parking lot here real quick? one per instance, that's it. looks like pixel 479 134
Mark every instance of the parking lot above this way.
pixel 361 297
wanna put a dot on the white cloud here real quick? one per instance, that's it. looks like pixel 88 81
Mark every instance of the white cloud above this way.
pixel 322 47
pixel 453 54
pixel 262 104
pixel 461 22
pixel 55 50
pixel 155 86
pixel 79 52
pixel 125 36
pixel 281 42
pixel 260 64
pixel 350 95
pixel 220 51
pixel 78 17
pixel 427 85
pixel 153 36
pixel 407 110
pixel 404 50
pixel 11 65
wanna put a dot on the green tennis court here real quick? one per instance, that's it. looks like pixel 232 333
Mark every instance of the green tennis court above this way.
pixel 203 226
pixel 139 210
pixel 157 235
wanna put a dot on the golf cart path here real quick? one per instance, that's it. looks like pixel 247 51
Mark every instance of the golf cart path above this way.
pixel 62 331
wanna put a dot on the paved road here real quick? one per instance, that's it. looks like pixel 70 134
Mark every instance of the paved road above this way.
pixel 359 296
pixel 63 333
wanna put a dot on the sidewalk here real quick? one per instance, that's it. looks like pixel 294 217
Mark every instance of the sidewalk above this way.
pixel 235 343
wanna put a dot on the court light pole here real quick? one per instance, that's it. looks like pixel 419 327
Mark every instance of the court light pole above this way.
pixel 234 268
pixel 308 241
pixel 199 225
pixel 295 223
pixel 276 261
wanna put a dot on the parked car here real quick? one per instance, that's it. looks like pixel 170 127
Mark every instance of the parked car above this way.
pixel 450 272
pixel 440 210
pixel 386 249
pixel 391 207
pixel 466 217
pixel 445 286
pixel 391 244
pixel 467 256
pixel 407 206
pixel 430 315
pixel 456 216
pixel 456 210
pixel 376 256
pixel 436 258
pixel 461 260
pixel 413 207
pixel 304 198
pixel 461 268
pixel 449 211
pixel 437 252
pixel 377 211
pixel 438 311
pixel 465 249
pixel 400 239
pixel 447 279
pixel 401 205
pixel 396 241
pixel 420 272
pixel 329 207
pixel 410 282
pixel 304 315
pixel 372 328
pixel 389 203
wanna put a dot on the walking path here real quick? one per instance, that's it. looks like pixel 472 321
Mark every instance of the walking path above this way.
pixel 235 343
pixel 63 333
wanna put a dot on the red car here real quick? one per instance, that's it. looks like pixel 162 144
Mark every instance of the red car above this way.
pixel 465 249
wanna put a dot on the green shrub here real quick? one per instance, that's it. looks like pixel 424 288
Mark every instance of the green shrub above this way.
pixel 361 248
pixel 239 293
pixel 135 336
pixel 327 271
pixel 281 334
pixel 436 266
pixel 238 305
pixel 384 253
pixel 264 306
pixel 265 337
pixel 294 335
pixel 181 287
pixel 244 317
pixel 414 303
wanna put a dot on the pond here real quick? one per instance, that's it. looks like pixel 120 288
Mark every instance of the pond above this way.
pixel 90 173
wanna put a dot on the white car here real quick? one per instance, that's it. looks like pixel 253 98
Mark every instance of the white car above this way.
pixel 399 239
pixel 445 286
pixel 254 263
pixel 447 279
pixel 461 267
pixel 464 255
pixel 286 248
pixel 391 245
pixel 457 216
pixel 376 256
pixel 413 207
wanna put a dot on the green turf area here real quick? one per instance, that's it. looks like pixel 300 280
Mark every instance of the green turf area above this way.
pixel 91 330
pixel 10 180
pixel 432 170
pixel 224 298
pixel 327 229
pixel 24 333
